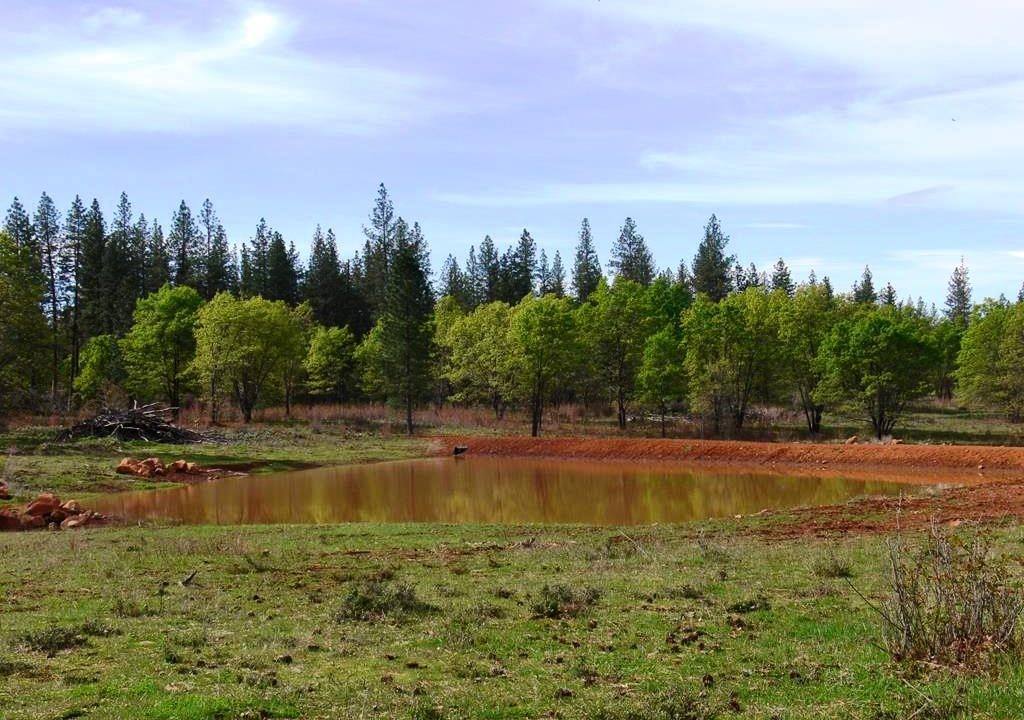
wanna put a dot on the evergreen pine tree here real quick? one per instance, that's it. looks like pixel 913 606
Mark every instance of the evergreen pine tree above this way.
pixel 183 240
pixel 90 285
pixel 406 328
pixel 214 261
pixel 781 278
pixel 379 246
pixel 74 240
pixel 521 268
pixel 739 278
pixel 116 277
pixel 255 273
pixel 864 289
pixel 888 296
pixel 958 296
pixel 158 260
pixel 282 271
pixel 631 258
pixel 543 273
pixel 18 226
pixel 139 255
pixel 454 283
pixel 49 240
pixel 475 282
pixel 556 281
pixel 586 268
pixel 827 284
pixel 711 265
pixel 490 271
pixel 323 279
pixel 812 278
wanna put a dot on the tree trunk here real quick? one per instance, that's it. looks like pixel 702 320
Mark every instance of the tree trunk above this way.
pixel 663 421
pixel 622 408
pixel 408 414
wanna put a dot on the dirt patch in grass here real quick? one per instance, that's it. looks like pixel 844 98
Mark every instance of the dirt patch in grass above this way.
pixel 977 504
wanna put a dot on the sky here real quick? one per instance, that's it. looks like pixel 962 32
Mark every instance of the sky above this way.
pixel 832 133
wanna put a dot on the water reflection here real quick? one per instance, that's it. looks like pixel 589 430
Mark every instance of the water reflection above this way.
pixel 486 490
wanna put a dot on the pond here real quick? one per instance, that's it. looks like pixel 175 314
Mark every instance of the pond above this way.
pixel 488 490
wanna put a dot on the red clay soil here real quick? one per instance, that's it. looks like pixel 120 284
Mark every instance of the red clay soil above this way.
pixel 988 482
pixel 724 452
pixel 992 502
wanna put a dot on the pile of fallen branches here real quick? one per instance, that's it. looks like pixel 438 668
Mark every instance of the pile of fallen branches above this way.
pixel 148 422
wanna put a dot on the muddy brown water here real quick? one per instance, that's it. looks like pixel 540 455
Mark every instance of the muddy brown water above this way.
pixel 488 490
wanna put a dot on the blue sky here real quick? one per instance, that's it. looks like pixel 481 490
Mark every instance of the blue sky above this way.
pixel 831 133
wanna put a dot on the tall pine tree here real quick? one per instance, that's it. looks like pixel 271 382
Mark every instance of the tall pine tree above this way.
pixel 405 322
pixel 781 278
pixel 586 269
pixel 74 241
pixel 631 258
pixel 958 296
pixel 183 240
pixel 90 284
pixel 282 271
pixel 864 289
pixel 380 244
pixel 323 279
pixel 711 265
pixel 49 240
pixel 158 260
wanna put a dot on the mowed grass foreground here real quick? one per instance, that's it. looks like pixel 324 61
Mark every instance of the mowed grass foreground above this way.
pixel 427 621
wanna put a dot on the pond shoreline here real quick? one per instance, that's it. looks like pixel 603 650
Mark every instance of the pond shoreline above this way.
pixel 914 463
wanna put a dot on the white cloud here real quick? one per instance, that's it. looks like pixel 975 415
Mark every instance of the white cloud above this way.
pixel 158 77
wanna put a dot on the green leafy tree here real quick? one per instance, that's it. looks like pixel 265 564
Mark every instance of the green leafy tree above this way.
pixel 240 348
pixel 481 361
pixel 543 334
pixel 159 349
pixel 805 322
pixel 661 381
pixel 732 350
pixel 876 362
pixel 990 363
pixel 294 348
pixel 614 325
pixel 102 375
pixel 947 335
pixel 331 363
pixel 711 266
pixel 370 363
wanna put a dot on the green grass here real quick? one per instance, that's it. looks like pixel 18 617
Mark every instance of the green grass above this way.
pixel 451 627
pixel 35 463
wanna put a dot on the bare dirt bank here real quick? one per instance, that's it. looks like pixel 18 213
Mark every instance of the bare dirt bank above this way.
pixel 904 459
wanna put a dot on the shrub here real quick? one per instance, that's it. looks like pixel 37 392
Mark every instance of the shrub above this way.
pixel 833 567
pixel 557 601
pixel 750 605
pixel 378 599
pixel 52 640
pixel 949 602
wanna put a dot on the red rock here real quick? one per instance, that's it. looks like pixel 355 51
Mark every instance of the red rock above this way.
pixel 71 507
pixel 179 466
pixel 9 519
pixel 5 492
pixel 127 466
pixel 32 522
pixel 77 521
pixel 45 504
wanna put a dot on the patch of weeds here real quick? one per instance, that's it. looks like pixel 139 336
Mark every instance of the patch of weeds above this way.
pixel 14 667
pixel 682 705
pixel 374 600
pixel 559 601
pixel 127 608
pixel 949 602
pixel 52 640
pixel 711 551
pixel 426 709
pixel 750 605
pixel 833 567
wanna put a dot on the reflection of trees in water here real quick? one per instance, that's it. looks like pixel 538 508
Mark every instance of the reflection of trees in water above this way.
pixel 501 490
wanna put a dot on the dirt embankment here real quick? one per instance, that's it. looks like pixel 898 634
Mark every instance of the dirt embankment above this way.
pixel 927 458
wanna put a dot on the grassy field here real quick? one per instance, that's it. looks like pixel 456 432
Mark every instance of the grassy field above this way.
pixel 476 622
pixel 425 622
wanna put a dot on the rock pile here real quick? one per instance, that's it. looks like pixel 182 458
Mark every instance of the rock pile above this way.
pixel 48 511
pixel 154 467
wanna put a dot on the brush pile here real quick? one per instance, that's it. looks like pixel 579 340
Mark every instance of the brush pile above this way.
pixel 148 422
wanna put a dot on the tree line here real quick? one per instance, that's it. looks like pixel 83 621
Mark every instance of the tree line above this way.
pixel 100 311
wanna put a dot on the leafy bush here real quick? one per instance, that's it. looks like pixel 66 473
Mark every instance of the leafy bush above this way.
pixel 378 599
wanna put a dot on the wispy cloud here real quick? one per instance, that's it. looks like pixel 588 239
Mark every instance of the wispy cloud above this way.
pixel 119 70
